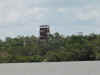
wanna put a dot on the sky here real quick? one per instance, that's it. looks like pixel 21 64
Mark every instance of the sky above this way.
pixel 23 17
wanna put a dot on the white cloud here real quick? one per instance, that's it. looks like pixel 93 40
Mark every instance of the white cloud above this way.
pixel 36 12
pixel 12 16
pixel 88 13
pixel 61 10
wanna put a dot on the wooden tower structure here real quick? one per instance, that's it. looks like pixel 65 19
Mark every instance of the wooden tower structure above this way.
pixel 44 32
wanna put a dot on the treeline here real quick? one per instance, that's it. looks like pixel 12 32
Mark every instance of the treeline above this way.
pixel 57 48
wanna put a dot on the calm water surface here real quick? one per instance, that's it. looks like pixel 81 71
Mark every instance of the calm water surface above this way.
pixel 61 68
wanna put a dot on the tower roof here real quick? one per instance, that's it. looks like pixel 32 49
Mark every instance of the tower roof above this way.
pixel 44 26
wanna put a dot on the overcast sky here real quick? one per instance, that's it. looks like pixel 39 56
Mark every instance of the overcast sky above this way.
pixel 23 17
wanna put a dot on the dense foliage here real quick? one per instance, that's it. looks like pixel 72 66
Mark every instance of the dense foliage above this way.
pixel 57 48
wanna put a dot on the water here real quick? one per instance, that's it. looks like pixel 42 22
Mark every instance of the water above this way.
pixel 61 68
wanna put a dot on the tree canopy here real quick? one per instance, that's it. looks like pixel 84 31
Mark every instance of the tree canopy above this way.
pixel 57 48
